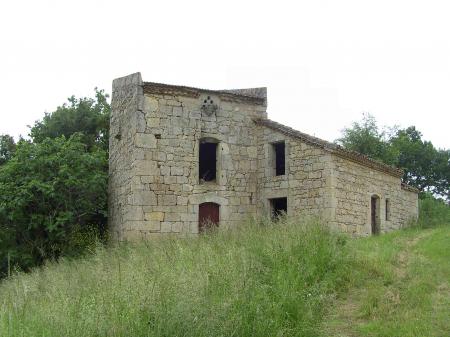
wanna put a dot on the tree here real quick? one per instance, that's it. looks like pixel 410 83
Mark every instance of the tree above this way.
pixel 53 188
pixel 49 191
pixel 365 137
pixel 425 167
pixel 89 116
pixel 442 178
pixel 7 148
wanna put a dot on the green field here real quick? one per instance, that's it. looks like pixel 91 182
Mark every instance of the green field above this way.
pixel 284 279
pixel 401 289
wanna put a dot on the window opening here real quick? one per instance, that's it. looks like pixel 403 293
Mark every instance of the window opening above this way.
pixel 388 210
pixel 278 207
pixel 280 158
pixel 207 161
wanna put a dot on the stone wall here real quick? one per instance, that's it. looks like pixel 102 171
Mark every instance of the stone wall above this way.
pixel 126 106
pixel 155 188
pixel 159 178
pixel 306 183
pixel 355 184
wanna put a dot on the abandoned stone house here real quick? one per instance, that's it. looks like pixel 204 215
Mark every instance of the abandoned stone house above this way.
pixel 182 159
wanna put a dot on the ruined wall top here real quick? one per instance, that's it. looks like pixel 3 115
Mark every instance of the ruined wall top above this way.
pixel 135 79
pixel 256 96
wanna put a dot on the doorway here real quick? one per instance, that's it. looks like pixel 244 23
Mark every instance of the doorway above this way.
pixel 208 216
pixel 375 214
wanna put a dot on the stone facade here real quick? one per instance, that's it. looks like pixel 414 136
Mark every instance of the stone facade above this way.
pixel 155 183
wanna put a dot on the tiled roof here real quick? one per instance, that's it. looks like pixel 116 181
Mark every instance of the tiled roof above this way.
pixel 331 147
pixel 410 188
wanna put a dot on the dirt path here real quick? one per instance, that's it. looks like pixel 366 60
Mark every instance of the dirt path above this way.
pixel 403 258
pixel 346 313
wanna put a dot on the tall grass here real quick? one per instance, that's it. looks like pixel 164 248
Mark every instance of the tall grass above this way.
pixel 402 289
pixel 261 279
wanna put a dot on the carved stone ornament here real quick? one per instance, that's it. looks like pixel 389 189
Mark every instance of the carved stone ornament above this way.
pixel 209 107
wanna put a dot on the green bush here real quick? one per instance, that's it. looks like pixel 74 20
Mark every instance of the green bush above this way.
pixel 433 212
pixel 50 193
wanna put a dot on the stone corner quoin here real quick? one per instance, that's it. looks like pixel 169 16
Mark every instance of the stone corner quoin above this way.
pixel 183 159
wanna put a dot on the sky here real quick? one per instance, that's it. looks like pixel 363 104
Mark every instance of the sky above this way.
pixel 324 62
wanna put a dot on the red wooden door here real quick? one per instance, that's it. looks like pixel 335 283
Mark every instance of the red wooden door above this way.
pixel 208 215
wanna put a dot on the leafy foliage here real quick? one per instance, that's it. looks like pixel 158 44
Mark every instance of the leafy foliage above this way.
pixel 425 167
pixel 433 212
pixel 48 191
pixel 53 189
pixel 89 116
pixel 366 138
pixel 7 148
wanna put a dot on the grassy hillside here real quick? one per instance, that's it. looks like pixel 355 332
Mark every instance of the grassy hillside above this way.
pixel 404 290
pixel 287 279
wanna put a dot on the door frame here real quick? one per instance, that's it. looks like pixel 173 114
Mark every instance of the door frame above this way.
pixel 202 228
pixel 375 212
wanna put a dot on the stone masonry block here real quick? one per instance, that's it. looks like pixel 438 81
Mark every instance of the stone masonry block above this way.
pixel 167 200
pixel 145 140
pixel 183 201
pixel 145 168
pixel 150 225
pixel 155 216
pixel 144 198
pixel 166 227
pixel 151 104
pixel 172 217
pixel 133 213
pixel 176 171
pixel 153 122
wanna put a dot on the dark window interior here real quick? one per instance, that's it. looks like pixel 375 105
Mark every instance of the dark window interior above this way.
pixel 278 207
pixel 279 159
pixel 207 161
pixel 375 214
pixel 388 210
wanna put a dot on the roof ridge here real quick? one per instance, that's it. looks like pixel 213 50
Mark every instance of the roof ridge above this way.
pixel 410 188
pixel 331 147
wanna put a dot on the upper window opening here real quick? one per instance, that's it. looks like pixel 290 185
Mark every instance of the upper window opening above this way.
pixel 279 158
pixel 207 161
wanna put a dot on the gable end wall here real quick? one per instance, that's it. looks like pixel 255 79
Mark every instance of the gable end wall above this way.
pixel 353 187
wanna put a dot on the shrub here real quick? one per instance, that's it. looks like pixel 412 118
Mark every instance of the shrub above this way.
pixel 49 193
pixel 433 212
